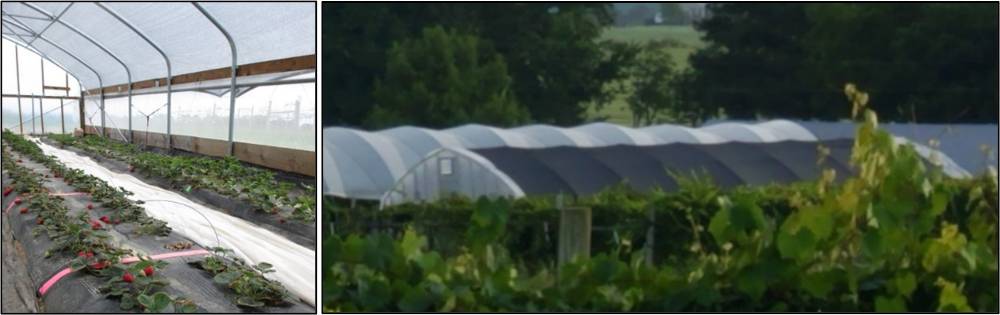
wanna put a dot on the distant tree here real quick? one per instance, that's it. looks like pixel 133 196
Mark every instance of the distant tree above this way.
pixel 557 66
pixel 928 62
pixel 652 92
pixel 442 79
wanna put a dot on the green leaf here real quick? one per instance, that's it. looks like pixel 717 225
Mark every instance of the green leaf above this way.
pixel 819 284
pixel 414 299
pixel 752 283
pixel 906 283
pixel 127 303
pixel 248 302
pixel 889 305
pixel 796 245
pixel 411 244
pixel 226 277
pixel 159 302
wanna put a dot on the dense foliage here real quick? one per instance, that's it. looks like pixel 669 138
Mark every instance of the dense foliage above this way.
pixel 226 176
pixel 443 79
pixel 895 236
pixel 557 66
pixel 929 62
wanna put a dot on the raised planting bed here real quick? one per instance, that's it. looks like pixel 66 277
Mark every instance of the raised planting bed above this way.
pixel 90 249
pixel 280 202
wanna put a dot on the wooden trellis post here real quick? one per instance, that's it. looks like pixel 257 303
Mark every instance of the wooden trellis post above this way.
pixel 574 233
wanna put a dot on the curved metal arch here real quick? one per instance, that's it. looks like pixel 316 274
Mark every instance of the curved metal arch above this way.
pixel 51 18
pixel 100 80
pixel 128 72
pixel 158 49
pixel 232 86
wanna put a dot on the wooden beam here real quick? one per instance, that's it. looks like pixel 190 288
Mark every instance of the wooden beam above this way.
pixel 263 67
pixel 42 96
pixel 60 88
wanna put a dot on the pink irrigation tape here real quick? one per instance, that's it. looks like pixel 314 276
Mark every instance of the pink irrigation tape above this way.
pixel 127 260
pixel 10 206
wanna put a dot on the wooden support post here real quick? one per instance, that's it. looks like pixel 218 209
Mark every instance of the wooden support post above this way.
pixel 650 236
pixel 574 233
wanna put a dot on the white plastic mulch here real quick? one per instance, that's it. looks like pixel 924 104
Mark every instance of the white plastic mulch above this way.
pixel 295 265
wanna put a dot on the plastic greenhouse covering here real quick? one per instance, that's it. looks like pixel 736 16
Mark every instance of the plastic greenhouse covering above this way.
pixel 366 165
pixel 106 44
pixel 260 31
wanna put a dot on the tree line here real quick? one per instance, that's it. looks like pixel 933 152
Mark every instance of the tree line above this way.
pixel 505 64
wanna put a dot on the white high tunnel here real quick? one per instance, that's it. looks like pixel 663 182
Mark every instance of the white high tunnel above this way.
pixel 366 165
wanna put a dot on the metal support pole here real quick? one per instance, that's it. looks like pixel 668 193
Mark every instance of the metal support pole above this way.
pixel 128 72
pixel 32 114
pixel 41 108
pixel 62 105
pixel 232 85
pixel 17 72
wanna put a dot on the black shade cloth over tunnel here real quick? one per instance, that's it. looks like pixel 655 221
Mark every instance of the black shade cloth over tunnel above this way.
pixel 585 171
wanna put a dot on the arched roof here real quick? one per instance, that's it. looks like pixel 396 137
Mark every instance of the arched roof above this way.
pixel 104 43
pixel 396 150
pixel 583 171
pixel 480 136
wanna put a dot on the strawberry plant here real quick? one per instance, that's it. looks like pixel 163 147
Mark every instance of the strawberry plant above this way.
pixel 226 176
pixel 138 286
pixel 252 289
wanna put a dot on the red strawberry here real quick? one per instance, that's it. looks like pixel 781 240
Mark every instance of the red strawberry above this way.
pixel 24 210
pixel 81 254
pixel 105 220
pixel 90 206
pixel 95 225
pixel 40 221
pixel 127 277
pixel 7 191
pixel 17 200
pixel 18 160
pixel 148 271
pixel 99 265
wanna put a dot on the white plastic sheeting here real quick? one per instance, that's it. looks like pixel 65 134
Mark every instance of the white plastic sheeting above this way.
pixel 364 165
pixel 295 265
pixel 261 31
pixel 456 170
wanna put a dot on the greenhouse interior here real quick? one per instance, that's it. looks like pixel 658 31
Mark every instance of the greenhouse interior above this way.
pixel 159 157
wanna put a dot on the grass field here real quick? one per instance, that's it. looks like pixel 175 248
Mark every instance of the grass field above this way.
pixel 688 38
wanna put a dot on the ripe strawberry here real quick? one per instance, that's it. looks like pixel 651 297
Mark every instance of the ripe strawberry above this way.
pixel 40 221
pixel 148 271
pixel 95 225
pixel 105 220
pixel 7 191
pixel 19 161
pixel 17 201
pixel 127 277
pixel 24 210
pixel 99 265
pixel 90 206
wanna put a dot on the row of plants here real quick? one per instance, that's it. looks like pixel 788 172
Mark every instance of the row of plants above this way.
pixel 136 285
pixel 895 236
pixel 226 176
